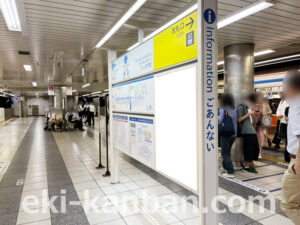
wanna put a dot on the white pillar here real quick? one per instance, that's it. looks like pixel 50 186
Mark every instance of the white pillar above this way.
pixel 141 36
pixel 207 110
pixel 113 153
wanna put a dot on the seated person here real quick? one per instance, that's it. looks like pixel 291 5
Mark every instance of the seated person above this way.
pixel 58 120
pixel 73 117
pixel 51 121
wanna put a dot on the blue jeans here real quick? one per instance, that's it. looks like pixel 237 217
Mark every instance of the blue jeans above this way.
pixel 226 144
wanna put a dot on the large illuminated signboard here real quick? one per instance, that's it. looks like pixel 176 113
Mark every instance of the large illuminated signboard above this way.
pixel 135 63
pixel 175 125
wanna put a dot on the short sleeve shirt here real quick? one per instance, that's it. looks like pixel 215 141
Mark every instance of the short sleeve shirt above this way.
pixel 294 127
pixel 246 125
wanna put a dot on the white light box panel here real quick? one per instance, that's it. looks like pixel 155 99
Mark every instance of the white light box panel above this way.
pixel 175 116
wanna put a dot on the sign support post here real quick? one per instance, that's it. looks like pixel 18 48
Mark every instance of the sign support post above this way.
pixel 207 123
pixel 113 153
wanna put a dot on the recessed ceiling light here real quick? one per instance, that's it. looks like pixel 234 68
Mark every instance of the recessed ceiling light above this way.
pixel 123 19
pixel 86 85
pixel 27 67
pixel 74 90
pixel 10 14
pixel 34 84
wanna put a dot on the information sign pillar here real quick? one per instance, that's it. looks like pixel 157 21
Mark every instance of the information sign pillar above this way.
pixel 207 110
pixel 113 153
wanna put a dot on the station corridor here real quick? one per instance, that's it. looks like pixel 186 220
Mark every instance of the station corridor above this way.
pixel 46 164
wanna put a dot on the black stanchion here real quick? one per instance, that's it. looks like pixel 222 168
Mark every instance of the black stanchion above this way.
pixel 100 166
pixel 107 173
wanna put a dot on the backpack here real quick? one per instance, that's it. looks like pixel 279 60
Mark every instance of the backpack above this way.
pixel 226 127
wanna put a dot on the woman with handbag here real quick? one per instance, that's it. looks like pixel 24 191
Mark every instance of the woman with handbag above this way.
pixel 262 121
pixel 267 120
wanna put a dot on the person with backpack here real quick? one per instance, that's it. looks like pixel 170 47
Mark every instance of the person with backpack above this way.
pixel 245 114
pixel 227 131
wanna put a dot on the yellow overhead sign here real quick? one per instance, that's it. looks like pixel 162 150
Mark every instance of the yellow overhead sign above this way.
pixel 177 43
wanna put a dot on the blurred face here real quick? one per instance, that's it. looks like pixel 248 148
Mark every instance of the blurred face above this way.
pixel 290 92
pixel 260 99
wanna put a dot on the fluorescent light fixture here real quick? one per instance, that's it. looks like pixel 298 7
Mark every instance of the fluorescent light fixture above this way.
pixel 86 85
pixel 10 14
pixel 85 95
pixel 255 54
pixel 240 14
pixel 97 92
pixel 27 68
pixel 123 20
pixel 263 52
pixel 6 93
pixel 244 12
pixel 177 18
pixel 74 91
pixel 82 71
pixel 276 60
pixel 34 84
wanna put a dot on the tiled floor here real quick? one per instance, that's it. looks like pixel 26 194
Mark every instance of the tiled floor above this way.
pixel 63 164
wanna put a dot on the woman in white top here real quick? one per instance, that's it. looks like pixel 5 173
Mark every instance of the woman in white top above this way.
pixel 281 111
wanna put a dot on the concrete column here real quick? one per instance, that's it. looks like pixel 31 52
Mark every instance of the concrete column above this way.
pixel 76 100
pixel 239 70
pixel 60 98
pixel 23 107
pixel 239 81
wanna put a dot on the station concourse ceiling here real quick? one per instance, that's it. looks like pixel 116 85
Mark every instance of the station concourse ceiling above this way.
pixel 60 34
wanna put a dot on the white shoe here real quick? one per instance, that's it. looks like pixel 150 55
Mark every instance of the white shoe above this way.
pixel 228 175
pixel 260 156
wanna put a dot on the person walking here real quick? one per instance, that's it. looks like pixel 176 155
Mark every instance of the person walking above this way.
pixel 228 131
pixel 245 115
pixel 262 121
pixel 282 130
pixel 290 202
pixel 257 121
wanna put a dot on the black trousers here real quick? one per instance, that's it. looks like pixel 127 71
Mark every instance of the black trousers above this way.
pixel 276 139
pixel 78 124
pixel 92 118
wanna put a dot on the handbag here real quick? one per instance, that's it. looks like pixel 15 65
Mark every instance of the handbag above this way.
pixel 266 121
